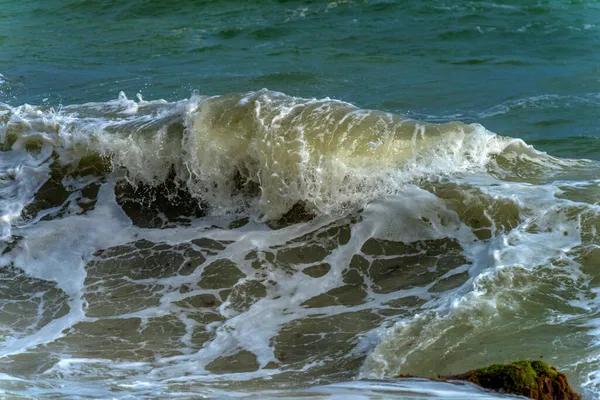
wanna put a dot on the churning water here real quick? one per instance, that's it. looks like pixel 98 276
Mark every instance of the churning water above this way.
pixel 267 244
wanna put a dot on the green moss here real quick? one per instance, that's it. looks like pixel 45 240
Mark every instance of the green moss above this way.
pixel 543 369
pixel 518 375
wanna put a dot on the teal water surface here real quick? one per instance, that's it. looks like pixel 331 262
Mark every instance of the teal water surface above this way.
pixel 526 69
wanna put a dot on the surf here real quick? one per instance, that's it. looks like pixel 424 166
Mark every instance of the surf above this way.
pixel 260 152
pixel 375 244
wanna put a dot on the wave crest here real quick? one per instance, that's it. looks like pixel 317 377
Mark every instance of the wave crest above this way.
pixel 264 151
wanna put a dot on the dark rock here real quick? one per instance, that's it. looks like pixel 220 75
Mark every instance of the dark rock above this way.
pixel 300 212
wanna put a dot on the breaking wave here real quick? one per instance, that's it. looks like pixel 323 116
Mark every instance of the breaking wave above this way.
pixel 260 152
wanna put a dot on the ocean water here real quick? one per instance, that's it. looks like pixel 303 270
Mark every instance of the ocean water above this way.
pixel 296 199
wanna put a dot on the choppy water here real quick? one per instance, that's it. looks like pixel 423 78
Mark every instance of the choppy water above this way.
pixel 416 193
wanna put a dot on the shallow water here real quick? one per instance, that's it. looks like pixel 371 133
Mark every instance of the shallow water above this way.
pixel 210 238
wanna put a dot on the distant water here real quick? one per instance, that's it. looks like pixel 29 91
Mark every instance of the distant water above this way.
pixel 283 198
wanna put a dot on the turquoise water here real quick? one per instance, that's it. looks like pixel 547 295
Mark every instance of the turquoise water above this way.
pixel 522 69
pixel 296 198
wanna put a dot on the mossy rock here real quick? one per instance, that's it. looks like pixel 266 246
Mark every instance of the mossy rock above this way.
pixel 533 379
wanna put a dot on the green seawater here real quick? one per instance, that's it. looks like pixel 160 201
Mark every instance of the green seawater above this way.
pixel 296 199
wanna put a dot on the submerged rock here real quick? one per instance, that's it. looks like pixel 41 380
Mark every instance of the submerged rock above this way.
pixel 533 379
pixel 300 212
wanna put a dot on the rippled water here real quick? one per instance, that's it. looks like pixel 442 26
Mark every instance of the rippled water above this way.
pixel 416 193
